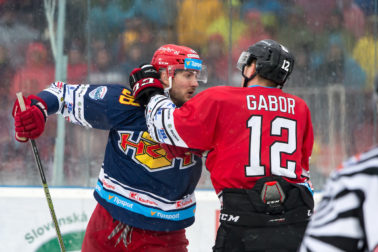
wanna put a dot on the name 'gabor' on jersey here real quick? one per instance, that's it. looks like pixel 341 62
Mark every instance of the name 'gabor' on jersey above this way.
pixel 271 103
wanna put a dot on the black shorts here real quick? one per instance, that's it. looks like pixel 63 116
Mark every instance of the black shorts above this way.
pixel 250 224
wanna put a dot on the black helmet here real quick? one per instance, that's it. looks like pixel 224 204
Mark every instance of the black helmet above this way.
pixel 273 61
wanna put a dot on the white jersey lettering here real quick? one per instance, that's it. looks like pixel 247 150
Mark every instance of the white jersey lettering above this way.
pixel 273 103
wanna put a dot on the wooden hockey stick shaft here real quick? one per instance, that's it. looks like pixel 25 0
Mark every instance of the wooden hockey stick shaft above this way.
pixel 43 178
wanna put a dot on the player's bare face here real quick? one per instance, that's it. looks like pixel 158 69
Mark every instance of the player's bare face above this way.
pixel 183 87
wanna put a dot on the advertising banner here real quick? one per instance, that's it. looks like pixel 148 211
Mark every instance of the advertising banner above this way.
pixel 26 223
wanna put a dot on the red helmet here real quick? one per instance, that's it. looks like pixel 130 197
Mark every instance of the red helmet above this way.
pixel 173 57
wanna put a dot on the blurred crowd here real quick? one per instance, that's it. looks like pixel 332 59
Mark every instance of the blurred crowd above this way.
pixel 333 41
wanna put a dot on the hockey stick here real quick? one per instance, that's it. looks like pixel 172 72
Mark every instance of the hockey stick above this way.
pixel 43 178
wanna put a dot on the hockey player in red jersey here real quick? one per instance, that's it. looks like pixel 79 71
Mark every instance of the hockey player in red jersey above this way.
pixel 259 140
pixel 145 198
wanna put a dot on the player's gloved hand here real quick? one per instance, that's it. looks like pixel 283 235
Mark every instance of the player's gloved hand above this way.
pixel 144 81
pixel 176 151
pixel 31 122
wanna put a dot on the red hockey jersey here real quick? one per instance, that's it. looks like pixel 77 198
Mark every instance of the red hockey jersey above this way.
pixel 249 133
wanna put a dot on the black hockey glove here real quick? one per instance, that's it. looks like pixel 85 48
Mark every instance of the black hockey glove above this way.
pixel 145 83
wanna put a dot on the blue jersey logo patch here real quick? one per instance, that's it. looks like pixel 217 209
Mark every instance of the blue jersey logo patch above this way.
pixel 98 93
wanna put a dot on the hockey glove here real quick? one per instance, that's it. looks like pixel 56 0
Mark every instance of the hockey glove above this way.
pixel 31 122
pixel 144 81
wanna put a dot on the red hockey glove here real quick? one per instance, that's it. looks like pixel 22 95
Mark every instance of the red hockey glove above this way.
pixel 31 122
pixel 145 83
pixel 176 151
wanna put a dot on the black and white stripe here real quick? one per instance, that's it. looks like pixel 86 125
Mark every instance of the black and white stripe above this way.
pixel 346 219
pixel 160 123
pixel 151 111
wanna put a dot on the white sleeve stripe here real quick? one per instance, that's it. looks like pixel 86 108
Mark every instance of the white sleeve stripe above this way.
pixel 160 122
pixel 151 110
pixel 74 106
pixel 159 104
pixel 163 112
pixel 170 128
pixel 79 104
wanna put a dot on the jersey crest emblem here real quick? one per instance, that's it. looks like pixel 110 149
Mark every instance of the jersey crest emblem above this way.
pixel 148 153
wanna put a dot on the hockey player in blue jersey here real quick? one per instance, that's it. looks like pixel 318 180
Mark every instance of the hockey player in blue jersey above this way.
pixel 145 197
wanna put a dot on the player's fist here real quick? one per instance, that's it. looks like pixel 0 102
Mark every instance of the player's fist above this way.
pixel 145 82
pixel 31 122
pixel 143 71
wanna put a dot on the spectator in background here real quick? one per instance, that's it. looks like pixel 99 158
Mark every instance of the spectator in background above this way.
pixel 354 18
pixel 362 52
pixel 162 19
pixel 77 68
pixel 106 20
pixel 335 31
pixel 295 32
pixel 316 12
pixel 105 70
pixel 6 76
pixel 134 55
pixel 194 17
pixel 271 13
pixel 367 6
pixel 221 24
pixel 130 34
pixel 214 55
pixel 36 73
pixel 303 76
pixel 339 67
pixel 253 32
pixel 364 124
pixel 137 31
pixel 15 35
pixel 275 7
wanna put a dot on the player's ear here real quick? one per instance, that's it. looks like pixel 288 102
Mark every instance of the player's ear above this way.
pixel 249 70
pixel 164 79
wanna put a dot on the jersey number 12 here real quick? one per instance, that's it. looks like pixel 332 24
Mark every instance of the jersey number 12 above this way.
pixel 255 168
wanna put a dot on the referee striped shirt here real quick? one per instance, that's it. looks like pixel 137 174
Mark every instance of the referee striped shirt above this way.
pixel 346 219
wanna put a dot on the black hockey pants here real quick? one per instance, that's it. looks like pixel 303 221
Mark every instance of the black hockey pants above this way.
pixel 268 217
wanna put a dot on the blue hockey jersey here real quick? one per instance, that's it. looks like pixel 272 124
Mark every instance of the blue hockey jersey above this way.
pixel 138 185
